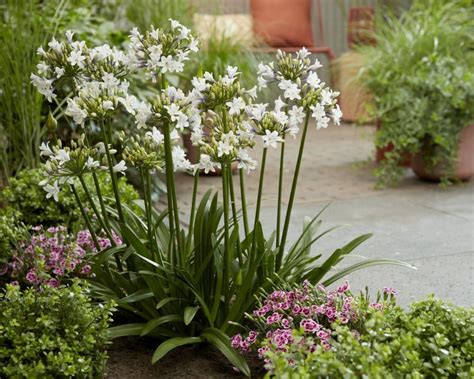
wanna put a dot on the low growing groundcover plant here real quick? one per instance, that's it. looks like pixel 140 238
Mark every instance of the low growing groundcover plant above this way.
pixel 430 340
pixel 185 285
pixel 52 332
pixel 306 316
pixel 49 257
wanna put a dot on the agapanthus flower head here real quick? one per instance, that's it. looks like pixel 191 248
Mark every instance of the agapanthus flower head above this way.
pixel 223 141
pixel 225 90
pixel 161 51
pixel 302 90
pixel 96 74
pixel 145 152
pixel 65 163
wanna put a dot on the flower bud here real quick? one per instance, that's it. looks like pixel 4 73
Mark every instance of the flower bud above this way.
pixel 51 123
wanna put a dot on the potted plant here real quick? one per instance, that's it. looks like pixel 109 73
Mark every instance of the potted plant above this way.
pixel 420 74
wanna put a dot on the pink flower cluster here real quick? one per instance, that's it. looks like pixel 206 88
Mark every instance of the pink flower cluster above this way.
pixel 309 311
pixel 51 255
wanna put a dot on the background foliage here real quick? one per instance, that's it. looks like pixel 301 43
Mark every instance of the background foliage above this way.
pixel 25 200
pixel 52 333
pixel 421 75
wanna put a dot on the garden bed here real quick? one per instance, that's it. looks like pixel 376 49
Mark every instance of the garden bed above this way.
pixel 130 358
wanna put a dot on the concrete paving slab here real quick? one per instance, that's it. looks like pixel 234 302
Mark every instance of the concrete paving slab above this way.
pixel 449 277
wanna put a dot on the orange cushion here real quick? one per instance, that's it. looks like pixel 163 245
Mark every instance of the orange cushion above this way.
pixel 283 23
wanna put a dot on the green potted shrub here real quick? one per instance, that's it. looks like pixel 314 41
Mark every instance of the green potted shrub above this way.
pixel 420 74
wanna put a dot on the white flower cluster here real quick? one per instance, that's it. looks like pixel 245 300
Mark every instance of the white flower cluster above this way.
pixel 64 163
pixel 95 74
pixel 162 52
pixel 222 117
pixel 226 135
pixel 301 88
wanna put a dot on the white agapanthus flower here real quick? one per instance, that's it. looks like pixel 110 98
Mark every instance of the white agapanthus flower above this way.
pixel 45 150
pixel 120 167
pixel 313 79
pixel 77 113
pixel 52 190
pixel 257 111
pixel 76 59
pixel 245 161
pixel 336 115
pixel 271 139
pixel 206 164
pixel 291 90
pixel 179 159
pixel 92 164
pixel 44 86
pixel 236 105
pixel 156 135
pixel 296 115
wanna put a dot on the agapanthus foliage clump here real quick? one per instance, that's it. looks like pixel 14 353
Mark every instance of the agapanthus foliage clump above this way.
pixel 51 257
pixel 301 319
pixel 198 277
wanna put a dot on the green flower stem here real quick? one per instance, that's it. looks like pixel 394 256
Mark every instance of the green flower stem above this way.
pixel 86 218
pixel 94 208
pixel 281 251
pixel 107 133
pixel 244 201
pixel 102 206
pixel 146 183
pixel 234 210
pixel 169 168
pixel 227 263
pixel 259 200
pixel 280 190
pixel 193 210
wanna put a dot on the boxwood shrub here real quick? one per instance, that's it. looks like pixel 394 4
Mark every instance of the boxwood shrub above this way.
pixel 25 200
pixel 432 339
pixel 52 333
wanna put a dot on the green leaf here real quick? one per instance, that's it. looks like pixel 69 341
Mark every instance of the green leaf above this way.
pixel 171 344
pixel 125 330
pixel 220 340
pixel 136 296
pixel 366 263
pixel 189 313
pixel 165 301
pixel 152 324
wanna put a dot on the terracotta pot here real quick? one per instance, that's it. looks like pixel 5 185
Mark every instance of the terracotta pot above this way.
pixel 464 168
pixel 380 152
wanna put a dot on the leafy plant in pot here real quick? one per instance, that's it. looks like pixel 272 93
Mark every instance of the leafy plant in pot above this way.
pixel 420 73
pixel 186 285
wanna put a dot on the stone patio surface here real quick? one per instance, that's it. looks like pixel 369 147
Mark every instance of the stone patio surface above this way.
pixel 418 222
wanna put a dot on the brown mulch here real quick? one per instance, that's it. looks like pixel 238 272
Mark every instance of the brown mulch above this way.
pixel 131 358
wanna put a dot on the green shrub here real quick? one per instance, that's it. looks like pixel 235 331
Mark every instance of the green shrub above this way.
pixel 52 333
pixel 26 200
pixel 420 75
pixel 11 232
pixel 432 339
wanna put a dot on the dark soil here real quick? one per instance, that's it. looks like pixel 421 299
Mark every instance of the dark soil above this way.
pixel 131 358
